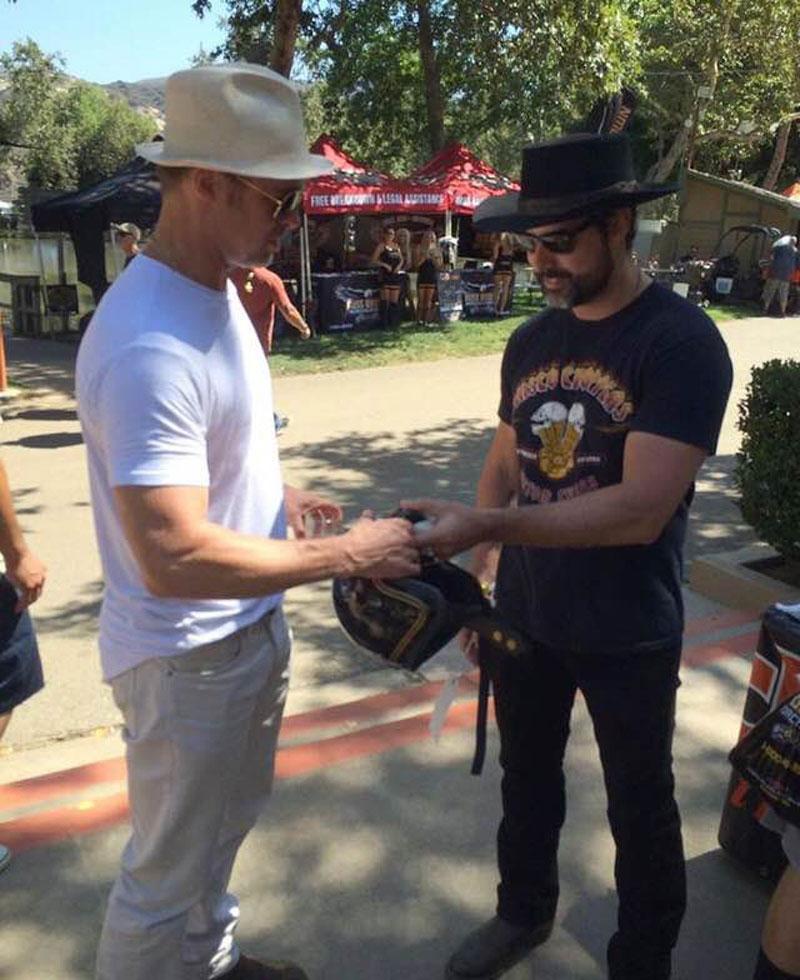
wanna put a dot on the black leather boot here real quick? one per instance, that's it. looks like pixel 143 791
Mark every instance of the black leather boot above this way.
pixel 494 948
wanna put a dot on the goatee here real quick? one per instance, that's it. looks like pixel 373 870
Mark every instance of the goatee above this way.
pixel 577 289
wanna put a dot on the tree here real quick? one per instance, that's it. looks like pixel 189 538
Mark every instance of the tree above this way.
pixel 719 78
pixel 72 133
pixel 492 73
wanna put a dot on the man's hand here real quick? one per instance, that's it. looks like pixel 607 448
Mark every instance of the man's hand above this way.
pixel 304 331
pixel 456 527
pixel 299 502
pixel 382 549
pixel 27 574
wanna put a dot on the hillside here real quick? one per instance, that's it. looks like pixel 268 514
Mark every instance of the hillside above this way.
pixel 146 96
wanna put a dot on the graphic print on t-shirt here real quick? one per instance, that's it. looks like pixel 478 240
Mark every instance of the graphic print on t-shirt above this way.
pixel 565 439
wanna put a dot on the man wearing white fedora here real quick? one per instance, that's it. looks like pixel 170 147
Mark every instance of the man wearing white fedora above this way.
pixel 610 401
pixel 191 513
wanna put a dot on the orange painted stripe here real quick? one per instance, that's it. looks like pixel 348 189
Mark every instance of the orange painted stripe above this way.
pixel 365 709
pixel 734 646
pixel 297 760
pixel 719 621
pixel 52 826
pixel 55 825
pixel 28 792
pixel 68 782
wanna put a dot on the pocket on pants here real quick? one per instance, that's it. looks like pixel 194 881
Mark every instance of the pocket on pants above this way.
pixel 204 682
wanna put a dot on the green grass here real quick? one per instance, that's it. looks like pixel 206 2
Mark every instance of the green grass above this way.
pixel 721 313
pixel 351 350
pixel 346 351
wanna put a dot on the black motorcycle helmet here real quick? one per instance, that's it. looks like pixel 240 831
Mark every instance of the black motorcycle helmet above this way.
pixel 406 621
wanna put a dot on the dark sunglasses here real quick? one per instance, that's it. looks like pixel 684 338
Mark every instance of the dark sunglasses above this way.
pixel 290 202
pixel 559 242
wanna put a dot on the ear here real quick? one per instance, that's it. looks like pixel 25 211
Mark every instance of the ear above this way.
pixel 619 224
pixel 209 185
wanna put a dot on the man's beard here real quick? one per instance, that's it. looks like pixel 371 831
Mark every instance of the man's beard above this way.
pixel 579 289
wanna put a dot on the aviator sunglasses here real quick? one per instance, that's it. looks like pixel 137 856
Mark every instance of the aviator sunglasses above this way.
pixel 559 242
pixel 288 204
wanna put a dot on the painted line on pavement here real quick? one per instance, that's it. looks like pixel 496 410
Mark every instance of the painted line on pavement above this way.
pixel 719 621
pixel 55 825
pixel 49 826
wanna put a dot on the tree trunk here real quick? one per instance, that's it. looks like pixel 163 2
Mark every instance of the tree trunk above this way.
pixel 685 138
pixel 287 24
pixel 778 156
pixel 662 169
pixel 433 83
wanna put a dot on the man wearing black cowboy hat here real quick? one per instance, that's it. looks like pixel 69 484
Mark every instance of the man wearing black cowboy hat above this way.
pixel 610 401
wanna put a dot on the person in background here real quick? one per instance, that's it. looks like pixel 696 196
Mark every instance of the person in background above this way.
pixel 610 400
pixel 128 237
pixel 782 267
pixel 693 255
pixel 779 956
pixel 191 515
pixel 389 259
pixel 22 584
pixel 428 263
pixel 503 269
pixel 325 258
pixel 404 244
pixel 261 292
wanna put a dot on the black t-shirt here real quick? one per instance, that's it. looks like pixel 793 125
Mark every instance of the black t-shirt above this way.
pixel 573 390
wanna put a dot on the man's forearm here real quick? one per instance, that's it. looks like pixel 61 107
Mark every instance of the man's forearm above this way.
pixel 12 540
pixel 296 320
pixel 495 488
pixel 607 517
pixel 217 563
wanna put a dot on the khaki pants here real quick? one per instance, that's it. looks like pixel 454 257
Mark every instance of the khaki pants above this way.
pixel 201 732
pixel 773 288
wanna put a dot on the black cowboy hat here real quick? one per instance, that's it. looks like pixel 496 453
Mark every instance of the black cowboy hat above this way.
pixel 566 177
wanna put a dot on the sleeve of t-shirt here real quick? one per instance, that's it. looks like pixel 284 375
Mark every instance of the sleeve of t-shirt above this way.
pixel 275 285
pixel 151 414
pixel 684 390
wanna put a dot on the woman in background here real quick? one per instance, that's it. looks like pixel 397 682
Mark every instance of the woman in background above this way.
pixel 503 268
pixel 429 262
pixel 404 244
pixel 389 259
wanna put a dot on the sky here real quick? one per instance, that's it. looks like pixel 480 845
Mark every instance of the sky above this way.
pixel 113 40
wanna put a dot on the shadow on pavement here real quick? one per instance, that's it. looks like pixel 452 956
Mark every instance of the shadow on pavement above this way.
pixel 79 617
pixel 49 440
pixel 715 521
pixel 42 364
pixel 44 415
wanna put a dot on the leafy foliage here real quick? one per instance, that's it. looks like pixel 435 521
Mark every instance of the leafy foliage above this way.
pixel 65 133
pixel 768 466
pixel 715 78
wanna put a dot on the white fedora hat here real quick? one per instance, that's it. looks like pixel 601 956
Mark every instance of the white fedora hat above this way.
pixel 239 118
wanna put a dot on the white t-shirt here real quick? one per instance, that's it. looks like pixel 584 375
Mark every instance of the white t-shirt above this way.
pixel 174 390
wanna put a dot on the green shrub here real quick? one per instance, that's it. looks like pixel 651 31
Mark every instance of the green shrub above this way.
pixel 768 464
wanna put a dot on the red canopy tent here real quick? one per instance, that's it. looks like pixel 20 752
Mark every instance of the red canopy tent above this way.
pixel 352 188
pixel 453 181
pixel 461 178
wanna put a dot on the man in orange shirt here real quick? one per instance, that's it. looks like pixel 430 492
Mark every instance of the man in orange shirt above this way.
pixel 260 292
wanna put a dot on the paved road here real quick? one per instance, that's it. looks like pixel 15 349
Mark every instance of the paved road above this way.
pixel 368 437
pixel 376 854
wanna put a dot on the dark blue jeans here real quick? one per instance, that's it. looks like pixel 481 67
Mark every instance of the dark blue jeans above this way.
pixel 631 700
